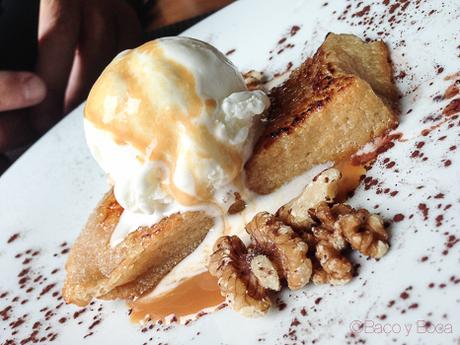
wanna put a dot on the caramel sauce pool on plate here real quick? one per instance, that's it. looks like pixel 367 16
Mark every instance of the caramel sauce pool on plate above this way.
pixel 189 297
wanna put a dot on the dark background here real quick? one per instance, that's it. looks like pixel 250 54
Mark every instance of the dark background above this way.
pixel 19 21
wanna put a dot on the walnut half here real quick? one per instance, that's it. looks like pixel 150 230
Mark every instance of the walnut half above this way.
pixel 337 268
pixel 364 231
pixel 332 266
pixel 229 263
pixel 283 247
pixel 322 188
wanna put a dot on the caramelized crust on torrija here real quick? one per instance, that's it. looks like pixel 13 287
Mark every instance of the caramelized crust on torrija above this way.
pixel 135 266
pixel 330 106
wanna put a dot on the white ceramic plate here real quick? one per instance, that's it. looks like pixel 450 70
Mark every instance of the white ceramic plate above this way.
pixel 411 296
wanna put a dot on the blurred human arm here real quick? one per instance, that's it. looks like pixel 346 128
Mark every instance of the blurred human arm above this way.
pixel 77 39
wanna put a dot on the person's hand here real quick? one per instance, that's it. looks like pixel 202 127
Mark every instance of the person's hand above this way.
pixel 77 39
pixel 20 90
pixel 17 90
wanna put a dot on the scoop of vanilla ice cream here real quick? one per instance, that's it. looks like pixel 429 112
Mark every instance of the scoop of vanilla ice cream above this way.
pixel 171 121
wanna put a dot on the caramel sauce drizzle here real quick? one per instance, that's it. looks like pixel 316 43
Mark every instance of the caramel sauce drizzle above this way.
pixel 352 173
pixel 189 297
pixel 128 104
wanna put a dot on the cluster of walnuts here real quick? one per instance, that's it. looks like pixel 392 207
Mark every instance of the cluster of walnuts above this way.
pixel 296 245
